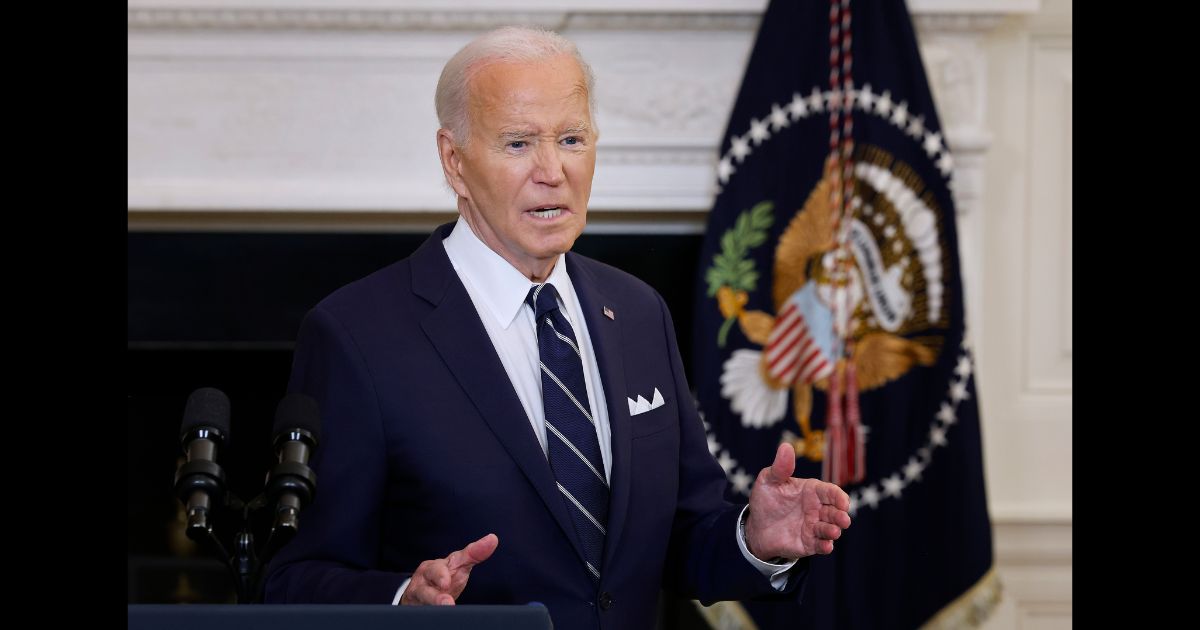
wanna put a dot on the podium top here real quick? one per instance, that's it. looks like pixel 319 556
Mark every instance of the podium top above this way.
pixel 342 617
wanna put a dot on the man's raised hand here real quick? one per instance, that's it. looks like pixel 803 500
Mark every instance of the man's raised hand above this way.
pixel 794 518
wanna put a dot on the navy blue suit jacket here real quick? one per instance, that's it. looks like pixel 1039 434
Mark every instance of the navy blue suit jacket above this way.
pixel 426 448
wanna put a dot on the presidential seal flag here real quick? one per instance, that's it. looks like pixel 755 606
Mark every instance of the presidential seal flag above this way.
pixel 829 315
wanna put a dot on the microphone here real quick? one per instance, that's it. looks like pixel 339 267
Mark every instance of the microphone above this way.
pixel 291 484
pixel 200 483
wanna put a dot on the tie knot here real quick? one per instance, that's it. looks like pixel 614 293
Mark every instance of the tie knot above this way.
pixel 542 298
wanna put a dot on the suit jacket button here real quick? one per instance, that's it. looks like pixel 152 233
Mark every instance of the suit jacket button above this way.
pixel 605 601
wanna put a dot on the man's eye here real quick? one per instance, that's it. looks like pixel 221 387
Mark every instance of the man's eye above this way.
pixel 517 144
pixel 572 140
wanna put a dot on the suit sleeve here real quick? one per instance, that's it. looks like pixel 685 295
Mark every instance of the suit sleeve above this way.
pixel 334 557
pixel 704 560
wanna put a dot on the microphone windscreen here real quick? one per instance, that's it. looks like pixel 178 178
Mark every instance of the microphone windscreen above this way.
pixel 298 411
pixel 206 407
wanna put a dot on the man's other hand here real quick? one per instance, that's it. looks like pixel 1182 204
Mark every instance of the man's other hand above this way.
pixel 440 582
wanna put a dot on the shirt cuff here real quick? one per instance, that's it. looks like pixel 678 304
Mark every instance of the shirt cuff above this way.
pixel 775 571
pixel 400 592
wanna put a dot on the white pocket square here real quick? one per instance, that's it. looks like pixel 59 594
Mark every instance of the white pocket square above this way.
pixel 641 405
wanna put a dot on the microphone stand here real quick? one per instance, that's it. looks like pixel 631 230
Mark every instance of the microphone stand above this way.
pixel 246 563
pixel 249 564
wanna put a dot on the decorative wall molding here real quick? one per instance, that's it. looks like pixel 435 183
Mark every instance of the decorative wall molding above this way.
pixel 633 154
pixel 670 105
pixel 409 20
pixel 956 22
pixel 1047 360
pixel 1024 542
pixel 1033 562
pixel 334 19
pixel 389 15
pixel 664 21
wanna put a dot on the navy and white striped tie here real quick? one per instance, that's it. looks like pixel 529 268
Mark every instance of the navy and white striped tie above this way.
pixel 574 450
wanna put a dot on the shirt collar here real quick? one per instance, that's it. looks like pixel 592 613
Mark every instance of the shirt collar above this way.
pixel 500 286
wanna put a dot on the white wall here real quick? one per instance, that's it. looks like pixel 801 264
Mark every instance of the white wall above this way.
pixel 1024 297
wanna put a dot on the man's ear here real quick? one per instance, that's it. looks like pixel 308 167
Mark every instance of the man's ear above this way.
pixel 451 157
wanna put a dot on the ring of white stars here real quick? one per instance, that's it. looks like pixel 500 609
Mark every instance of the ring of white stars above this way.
pixel 893 484
pixel 817 102
pixel 896 113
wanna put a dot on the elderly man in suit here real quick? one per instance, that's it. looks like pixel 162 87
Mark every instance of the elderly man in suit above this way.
pixel 505 421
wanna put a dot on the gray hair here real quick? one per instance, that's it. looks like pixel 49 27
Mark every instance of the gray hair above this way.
pixel 509 43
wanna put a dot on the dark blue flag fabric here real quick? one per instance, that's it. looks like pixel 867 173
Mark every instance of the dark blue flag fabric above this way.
pixel 829 315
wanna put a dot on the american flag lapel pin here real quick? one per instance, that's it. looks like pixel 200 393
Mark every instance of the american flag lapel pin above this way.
pixel 608 312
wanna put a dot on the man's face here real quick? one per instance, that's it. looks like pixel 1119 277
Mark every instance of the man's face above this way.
pixel 526 175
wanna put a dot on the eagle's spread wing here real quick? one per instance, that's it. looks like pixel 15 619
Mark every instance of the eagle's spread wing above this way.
pixel 809 234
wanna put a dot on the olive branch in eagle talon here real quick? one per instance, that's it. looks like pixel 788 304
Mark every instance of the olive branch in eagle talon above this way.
pixel 732 275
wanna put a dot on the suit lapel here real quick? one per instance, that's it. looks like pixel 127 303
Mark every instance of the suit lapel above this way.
pixel 454 329
pixel 606 341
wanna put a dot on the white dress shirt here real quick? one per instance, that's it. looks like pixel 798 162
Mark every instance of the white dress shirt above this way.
pixel 498 292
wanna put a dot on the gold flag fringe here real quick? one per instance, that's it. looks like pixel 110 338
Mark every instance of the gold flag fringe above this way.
pixel 972 608
pixel 969 610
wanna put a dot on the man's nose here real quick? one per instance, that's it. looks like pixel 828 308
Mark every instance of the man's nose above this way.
pixel 548 166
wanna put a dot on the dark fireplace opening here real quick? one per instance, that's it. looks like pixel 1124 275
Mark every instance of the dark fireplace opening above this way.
pixel 221 309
